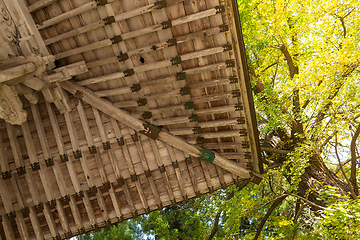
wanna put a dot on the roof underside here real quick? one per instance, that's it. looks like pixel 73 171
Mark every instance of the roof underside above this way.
pixel 115 127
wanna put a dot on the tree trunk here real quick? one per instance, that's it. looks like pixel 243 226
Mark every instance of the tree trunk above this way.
pixel 316 177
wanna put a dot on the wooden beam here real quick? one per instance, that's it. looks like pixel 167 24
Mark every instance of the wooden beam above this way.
pixel 90 142
pixel 132 172
pixel 105 141
pixel 116 204
pixel 50 221
pixel 62 216
pixel 15 148
pixel 146 169
pixel 215 110
pixel 207 176
pixel 40 4
pixel 194 184
pixel 9 232
pixel 21 226
pixel 133 175
pixel 89 210
pixel 102 207
pixel 139 125
pixel 75 32
pixel 212 97
pixel 164 174
pixel 6 199
pixel 45 150
pixel 158 46
pixel 177 172
pixel 90 27
pixel 82 49
pixel 116 91
pixel 76 214
pixel 103 78
pixel 61 148
pixel 16 72
pixel 4 164
pixel 62 17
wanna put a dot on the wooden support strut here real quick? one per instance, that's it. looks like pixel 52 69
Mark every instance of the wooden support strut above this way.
pixel 138 125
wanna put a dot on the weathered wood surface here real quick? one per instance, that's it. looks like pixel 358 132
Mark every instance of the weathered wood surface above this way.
pixel 84 158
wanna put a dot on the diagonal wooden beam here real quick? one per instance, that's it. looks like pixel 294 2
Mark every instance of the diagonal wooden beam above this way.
pixel 141 126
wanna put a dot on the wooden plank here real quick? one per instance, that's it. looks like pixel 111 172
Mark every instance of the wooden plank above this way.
pixel 82 49
pixel 89 210
pixel 16 186
pixel 5 196
pixel 21 226
pixel 15 148
pixel 74 32
pixel 177 172
pixel 134 178
pixel 194 184
pixel 76 214
pixel 207 176
pixel 4 164
pixel 147 171
pixel 69 14
pixel 102 207
pixel 103 78
pixel 89 139
pixel 113 92
pixel 62 216
pixel 105 141
pixel 212 97
pixel 116 205
pixel 76 150
pixel 61 149
pixel 50 221
pixel 215 110
pixel 164 174
pixel 33 189
pixel 36 225
pixel 9 232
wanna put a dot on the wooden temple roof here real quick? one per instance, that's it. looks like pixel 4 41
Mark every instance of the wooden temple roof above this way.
pixel 114 108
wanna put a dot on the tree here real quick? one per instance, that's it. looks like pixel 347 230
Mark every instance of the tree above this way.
pixel 304 64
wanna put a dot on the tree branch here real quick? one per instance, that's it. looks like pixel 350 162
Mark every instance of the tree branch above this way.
pixel 216 226
pixel 352 190
pixel 271 209
pixel 302 198
pixel 273 150
pixel 326 141
pixel 353 160
pixel 296 219
pixel 321 114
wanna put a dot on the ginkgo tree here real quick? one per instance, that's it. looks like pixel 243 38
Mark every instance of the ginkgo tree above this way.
pixel 304 64
pixel 304 59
